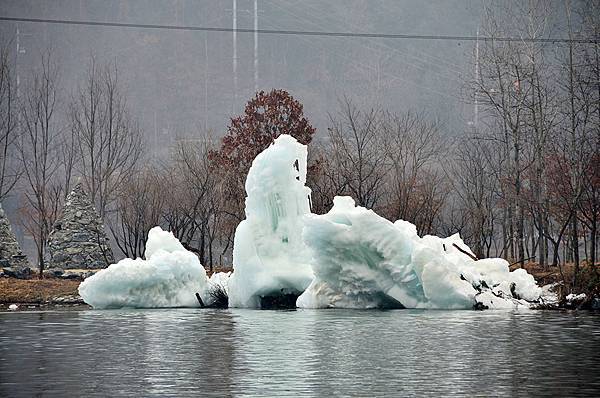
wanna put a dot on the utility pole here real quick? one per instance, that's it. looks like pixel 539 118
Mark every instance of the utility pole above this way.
pixel 17 61
pixel 235 77
pixel 20 50
pixel 255 46
pixel 205 81
pixel 476 121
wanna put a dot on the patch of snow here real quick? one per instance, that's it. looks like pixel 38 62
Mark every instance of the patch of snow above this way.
pixel 576 297
pixel 169 277
pixel 548 295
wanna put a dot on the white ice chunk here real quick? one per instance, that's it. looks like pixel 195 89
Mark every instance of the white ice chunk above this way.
pixel 169 277
pixel 162 240
pixel 220 279
pixel 269 256
pixel 361 260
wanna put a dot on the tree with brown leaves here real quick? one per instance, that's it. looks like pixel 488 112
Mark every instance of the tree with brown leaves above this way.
pixel 266 117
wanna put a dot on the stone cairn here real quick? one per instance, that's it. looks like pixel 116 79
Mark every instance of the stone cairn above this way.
pixel 78 240
pixel 10 253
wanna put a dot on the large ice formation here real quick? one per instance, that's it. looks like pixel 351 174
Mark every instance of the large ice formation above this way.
pixel 347 258
pixel 361 260
pixel 169 277
pixel 269 256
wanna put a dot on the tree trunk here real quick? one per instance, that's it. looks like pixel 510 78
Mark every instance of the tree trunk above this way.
pixel 556 253
pixel 520 235
pixel 504 233
pixel 41 253
pixel 575 248
pixel 593 234
pixel 511 234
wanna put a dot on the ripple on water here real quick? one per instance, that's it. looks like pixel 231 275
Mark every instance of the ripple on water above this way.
pixel 304 352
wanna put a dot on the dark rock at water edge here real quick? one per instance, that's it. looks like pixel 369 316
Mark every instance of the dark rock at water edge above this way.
pixel 279 301
pixel 16 272
pixel 78 239
pixel 68 274
pixel 53 272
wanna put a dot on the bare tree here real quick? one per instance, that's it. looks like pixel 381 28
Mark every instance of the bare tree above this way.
pixel 415 185
pixel 355 151
pixel 201 213
pixel 476 187
pixel 9 172
pixel 325 180
pixel 108 140
pixel 138 208
pixel 514 100
pixel 540 121
pixel 578 149
pixel 39 150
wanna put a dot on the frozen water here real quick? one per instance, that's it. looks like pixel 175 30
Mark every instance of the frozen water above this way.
pixel 269 256
pixel 361 260
pixel 169 277
pixel 347 258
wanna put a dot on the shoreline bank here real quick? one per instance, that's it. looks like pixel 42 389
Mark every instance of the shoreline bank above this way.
pixel 51 293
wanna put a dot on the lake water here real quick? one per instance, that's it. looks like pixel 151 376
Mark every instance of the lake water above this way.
pixel 298 353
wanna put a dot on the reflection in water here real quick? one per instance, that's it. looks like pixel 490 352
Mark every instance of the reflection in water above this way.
pixel 308 353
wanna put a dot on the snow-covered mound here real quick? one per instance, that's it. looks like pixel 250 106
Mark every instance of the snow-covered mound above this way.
pixel 269 256
pixel 361 260
pixel 169 277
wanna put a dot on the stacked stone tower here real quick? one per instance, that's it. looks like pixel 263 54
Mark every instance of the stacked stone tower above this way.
pixel 78 239
pixel 10 253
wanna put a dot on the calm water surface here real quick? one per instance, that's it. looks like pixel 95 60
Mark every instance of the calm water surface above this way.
pixel 298 353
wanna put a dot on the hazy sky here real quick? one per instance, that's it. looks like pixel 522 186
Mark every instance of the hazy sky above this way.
pixel 178 83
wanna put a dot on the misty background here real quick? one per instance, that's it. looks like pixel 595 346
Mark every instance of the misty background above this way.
pixel 180 84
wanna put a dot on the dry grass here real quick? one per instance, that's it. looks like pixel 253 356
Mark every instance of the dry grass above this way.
pixel 219 268
pixel 588 278
pixel 35 291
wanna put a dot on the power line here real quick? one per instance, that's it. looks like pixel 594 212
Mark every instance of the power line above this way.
pixel 420 65
pixel 303 32
pixel 394 77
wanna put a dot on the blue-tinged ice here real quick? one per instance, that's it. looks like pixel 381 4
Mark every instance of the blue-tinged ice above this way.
pixel 269 256
pixel 362 260
pixel 170 276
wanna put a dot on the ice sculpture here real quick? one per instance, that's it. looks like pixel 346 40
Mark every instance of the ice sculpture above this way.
pixel 269 256
pixel 169 277
pixel 361 260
